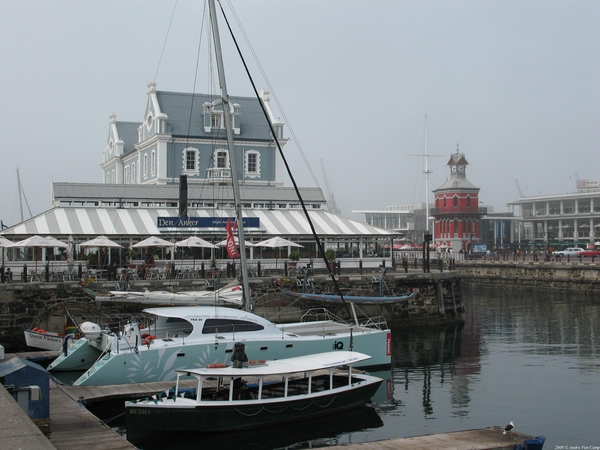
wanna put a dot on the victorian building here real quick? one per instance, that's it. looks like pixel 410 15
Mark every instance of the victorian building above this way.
pixel 184 134
pixel 457 213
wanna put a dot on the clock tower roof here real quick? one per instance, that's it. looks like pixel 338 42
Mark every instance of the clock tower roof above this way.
pixel 458 178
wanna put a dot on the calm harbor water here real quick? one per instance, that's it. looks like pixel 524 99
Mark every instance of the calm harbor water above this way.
pixel 531 358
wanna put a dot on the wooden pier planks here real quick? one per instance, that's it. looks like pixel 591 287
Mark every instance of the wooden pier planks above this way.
pixel 485 438
pixel 74 427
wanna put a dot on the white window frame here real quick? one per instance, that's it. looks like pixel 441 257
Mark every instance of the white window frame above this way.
pixel 252 173
pixel 184 169
pixel 226 158
pixel 153 162
pixel 146 165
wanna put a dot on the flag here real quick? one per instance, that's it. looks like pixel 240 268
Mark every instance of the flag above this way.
pixel 231 247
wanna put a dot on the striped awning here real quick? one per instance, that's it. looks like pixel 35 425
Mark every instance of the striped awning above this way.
pixel 62 222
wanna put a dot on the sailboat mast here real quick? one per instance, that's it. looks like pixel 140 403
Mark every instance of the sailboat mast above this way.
pixel 427 172
pixel 232 159
pixel 20 193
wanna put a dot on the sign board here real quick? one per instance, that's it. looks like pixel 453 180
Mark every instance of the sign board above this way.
pixel 203 222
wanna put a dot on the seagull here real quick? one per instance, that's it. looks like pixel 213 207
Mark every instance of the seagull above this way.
pixel 508 427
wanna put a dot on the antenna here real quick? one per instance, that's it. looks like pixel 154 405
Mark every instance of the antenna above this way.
pixel 426 172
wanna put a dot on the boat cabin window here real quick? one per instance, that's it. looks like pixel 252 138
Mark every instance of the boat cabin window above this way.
pixel 175 319
pixel 212 326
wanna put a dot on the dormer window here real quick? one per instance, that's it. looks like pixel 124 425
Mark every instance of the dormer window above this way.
pixel 215 121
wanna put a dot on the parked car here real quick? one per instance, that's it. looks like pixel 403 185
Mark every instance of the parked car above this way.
pixel 589 253
pixel 571 251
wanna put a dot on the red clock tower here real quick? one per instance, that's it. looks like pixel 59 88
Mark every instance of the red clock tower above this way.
pixel 456 210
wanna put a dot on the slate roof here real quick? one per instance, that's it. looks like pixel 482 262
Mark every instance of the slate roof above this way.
pixel 128 133
pixel 177 106
pixel 203 192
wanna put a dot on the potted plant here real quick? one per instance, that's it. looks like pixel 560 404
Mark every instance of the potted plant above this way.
pixel 294 255
pixel 330 255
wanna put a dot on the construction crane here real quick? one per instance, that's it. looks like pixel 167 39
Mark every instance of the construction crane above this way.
pixel 331 205
pixel 519 189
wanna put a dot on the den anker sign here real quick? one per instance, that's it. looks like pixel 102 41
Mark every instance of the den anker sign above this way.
pixel 203 222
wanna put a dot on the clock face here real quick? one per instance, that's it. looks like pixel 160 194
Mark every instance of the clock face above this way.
pixel 461 169
pixel 453 169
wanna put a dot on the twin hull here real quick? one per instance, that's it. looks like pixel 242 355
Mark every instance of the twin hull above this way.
pixel 164 357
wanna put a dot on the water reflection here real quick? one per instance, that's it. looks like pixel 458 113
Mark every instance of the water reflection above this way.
pixel 323 432
pixel 517 355
pixel 514 356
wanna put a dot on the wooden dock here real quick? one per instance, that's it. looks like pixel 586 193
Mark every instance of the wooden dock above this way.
pixel 74 427
pixel 482 439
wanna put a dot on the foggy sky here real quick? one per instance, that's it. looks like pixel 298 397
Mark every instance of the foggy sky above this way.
pixel 514 83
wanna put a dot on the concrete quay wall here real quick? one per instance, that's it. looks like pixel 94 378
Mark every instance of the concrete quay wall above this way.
pixel 556 276
pixel 438 299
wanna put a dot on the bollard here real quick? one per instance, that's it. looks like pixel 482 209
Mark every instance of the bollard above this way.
pixel 24 275
pixel 47 272
pixel 258 270
pixel 80 272
pixel 285 268
pixel 441 265
pixel 202 272
pixel 360 266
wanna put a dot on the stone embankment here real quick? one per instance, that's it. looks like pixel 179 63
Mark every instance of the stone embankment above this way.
pixel 562 276
pixel 437 300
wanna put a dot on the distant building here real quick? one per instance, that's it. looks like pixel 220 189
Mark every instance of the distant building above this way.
pixel 408 221
pixel 457 213
pixel 559 220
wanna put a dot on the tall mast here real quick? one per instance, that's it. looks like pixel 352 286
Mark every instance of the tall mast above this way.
pixel 234 167
pixel 20 194
pixel 426 172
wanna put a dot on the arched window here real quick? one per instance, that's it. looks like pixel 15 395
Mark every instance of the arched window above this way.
pixel 146 166
pixel 133 174
pixel 468 201
pixel 153 162
pixel 445 201
pixel 455 201
pixel 455 227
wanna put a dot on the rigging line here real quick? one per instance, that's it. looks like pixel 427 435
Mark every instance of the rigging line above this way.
pixel 166 38
pixel 263 73
pixel 195 81
pixel 287 167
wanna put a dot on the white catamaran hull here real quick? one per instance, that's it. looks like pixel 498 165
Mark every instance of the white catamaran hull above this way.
pixel 128 358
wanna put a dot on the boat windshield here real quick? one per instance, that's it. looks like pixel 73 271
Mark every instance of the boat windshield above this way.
pixel 212 326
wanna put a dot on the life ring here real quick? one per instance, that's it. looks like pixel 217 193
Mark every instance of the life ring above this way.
pixel 256 361
pixel 217 366
pixel 148 339
pixel 39 330
pixel 83 283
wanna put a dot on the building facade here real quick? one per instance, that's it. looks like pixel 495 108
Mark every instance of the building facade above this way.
pixel 559 220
